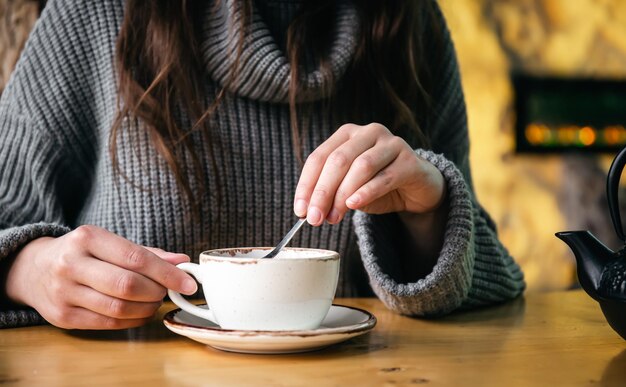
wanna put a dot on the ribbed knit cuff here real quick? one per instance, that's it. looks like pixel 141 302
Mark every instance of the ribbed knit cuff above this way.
pixel 20 318
pixel 11 241
pixel 447 286
pixel 14 238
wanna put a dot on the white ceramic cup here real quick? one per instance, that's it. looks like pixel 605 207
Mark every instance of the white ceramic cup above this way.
pixel 243 291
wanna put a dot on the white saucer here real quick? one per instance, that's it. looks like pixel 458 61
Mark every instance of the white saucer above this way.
pixel 341 323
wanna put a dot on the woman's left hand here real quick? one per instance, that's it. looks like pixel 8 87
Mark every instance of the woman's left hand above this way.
pixel 369 169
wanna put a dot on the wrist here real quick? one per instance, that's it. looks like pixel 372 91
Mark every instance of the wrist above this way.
pixel 420 223
pixel 427 230
pixel 17 283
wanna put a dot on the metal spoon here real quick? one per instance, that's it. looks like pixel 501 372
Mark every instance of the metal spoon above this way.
pixel 286 239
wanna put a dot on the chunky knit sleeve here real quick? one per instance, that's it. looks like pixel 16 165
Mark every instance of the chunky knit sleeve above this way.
pixel 473 267
pixel 43 162
pixel 32 182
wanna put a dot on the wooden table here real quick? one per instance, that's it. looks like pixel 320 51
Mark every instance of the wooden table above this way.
pixel 549 339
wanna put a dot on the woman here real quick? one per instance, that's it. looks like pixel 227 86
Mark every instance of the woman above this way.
pixel 134 125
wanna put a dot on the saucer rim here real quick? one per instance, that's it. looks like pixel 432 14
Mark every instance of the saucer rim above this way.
pixel 367 325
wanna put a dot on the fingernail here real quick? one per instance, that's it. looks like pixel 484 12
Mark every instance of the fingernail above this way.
pixel 300 208
pixel 333 216
pixel 353 200
pixel 190 286
pixel 314 216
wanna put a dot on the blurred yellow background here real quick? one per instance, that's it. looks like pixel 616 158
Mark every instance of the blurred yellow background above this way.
pixel 532 197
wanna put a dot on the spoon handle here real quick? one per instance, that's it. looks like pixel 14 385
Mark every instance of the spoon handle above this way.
pixel 286 239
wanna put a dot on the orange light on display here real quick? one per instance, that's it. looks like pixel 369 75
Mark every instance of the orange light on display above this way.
pixel 538 134
pixel 611 135
pixel 615 135
pixel 567 135
pixel 587 136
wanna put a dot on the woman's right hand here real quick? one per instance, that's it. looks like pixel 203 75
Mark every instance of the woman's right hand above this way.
pixel 91 278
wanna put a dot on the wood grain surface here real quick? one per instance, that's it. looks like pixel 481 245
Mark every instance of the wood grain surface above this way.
pixel 544 339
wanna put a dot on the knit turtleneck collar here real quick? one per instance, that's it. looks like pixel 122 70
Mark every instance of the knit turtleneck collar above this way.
pixel 263 66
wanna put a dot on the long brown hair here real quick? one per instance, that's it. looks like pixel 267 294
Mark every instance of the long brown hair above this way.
pixel 160 68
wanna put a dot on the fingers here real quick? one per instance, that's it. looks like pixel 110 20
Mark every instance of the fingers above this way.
pixel 173 258
pixel 405 185
pixel 337 164
pixel 117 308
pixel 93 279
pixel 355 158
pixel 73 317
pixel 382 184
pixel 105 295
pixel 115 281
pixel 313 168
pixel 114 249
pixel 363 169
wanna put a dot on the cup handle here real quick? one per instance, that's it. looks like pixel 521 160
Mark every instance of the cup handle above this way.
pixel 178 299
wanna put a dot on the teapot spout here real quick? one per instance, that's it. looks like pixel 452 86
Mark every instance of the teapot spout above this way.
pixel 591 257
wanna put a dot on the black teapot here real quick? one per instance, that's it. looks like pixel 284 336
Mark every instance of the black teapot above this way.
pixel 601 271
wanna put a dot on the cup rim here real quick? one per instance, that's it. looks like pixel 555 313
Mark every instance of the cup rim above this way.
pixel 325 255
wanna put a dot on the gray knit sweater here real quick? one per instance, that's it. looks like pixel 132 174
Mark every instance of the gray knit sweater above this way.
pixel 56 173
